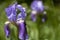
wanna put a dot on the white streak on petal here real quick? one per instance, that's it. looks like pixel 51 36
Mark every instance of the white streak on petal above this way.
pixel 10 15
pixel 24 9
pixel 34 12
pixel 7 32
pixel 20 20
pixel 39 3
pixel 19 6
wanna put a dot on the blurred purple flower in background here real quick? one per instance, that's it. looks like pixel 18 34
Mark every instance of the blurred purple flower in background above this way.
pixel 33 15
pixel 19 19
pixel 37 7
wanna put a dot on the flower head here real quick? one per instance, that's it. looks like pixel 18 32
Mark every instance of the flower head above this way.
pixel 11 12
pixel 19 19
pixel 37 5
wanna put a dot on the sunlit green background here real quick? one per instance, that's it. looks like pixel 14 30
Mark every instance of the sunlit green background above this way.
pixel 50 30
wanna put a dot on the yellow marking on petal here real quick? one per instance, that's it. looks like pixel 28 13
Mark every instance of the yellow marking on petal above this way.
pixel 7 22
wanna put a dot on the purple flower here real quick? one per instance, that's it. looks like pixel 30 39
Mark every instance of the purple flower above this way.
pixel 37 5
pixel 22 9
pixel 18 19
pixel 22 26
pixel 22 30
pixel 33 15
pixel 21 15
pixel 6 29
pixel 11 12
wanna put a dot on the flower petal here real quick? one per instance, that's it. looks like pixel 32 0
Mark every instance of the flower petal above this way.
pixel 37 5
pixel 6 29
pixel 33 15
pixel 11 12
pixel 22 30
pixel 21 15
pixel 22 9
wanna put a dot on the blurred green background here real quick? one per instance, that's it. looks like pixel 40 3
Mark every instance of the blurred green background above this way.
pixel 50 30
